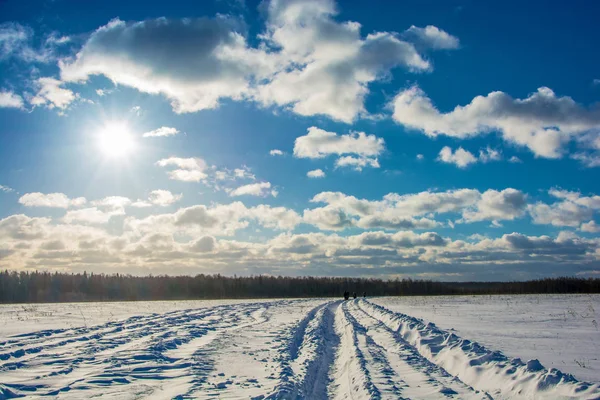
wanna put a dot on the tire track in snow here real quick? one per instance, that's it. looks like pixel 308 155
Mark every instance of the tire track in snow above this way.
pixel 310 352
pixel 351 378
pixel 117 353
pixel 419 377
pixel 484 369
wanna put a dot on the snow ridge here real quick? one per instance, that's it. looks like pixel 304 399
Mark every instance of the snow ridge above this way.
pixel 484 369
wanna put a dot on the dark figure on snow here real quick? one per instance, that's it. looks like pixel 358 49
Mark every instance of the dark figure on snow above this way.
pixel 346 295
pixel 364 295
pixel 354 295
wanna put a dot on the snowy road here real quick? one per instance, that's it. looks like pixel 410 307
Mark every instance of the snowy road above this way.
pixel 284 349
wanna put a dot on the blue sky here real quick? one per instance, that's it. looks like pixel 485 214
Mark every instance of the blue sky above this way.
pixel 443 140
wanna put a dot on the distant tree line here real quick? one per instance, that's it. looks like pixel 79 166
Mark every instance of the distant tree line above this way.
pixel 38 287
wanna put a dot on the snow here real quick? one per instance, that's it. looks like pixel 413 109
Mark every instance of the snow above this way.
pixel 561 331
pixel 296 349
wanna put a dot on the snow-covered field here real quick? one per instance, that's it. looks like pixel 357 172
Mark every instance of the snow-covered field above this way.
pixel 309 349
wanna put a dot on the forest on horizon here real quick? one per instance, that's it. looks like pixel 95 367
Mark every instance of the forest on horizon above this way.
pixel 46 287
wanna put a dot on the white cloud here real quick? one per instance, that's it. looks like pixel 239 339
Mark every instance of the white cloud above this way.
pixel 187 169
pixel 494 205
pixel 304 60
pixel 253 189
pixel 488 154
pixel 9 99
pixel 148 245
pixel 360 149
pixel 91 215
pixel 243 173
pixel 589 160
pixel 461 157
pixel 515 160
pixel 433 37
pixel 141 204
pixel 275 217
pixel 542 122
pixel 13 39
pixel 415 211
pixel 51 94
pixel 276 152
pixel 327 65
pixel 573 209
pixel 162 131
pixel 220 220
pixel 591 227
pixel 163 198
pixel 328 218
pixel 16 42
pixel 420 157
pixel 114 205
pixel 356 163
pixel 318 143
pixel 52 200
pixel 6 189
pixel 194 62
pixel 316 173
pixel 596 82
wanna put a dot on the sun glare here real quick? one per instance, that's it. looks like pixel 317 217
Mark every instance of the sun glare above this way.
pixel 115 140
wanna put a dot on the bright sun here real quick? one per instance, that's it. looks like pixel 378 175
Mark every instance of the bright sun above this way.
pixel 115 140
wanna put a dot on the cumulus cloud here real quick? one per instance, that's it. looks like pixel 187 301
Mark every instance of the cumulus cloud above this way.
pixel 591 227
pixel 91 215
pixel 356 163
pixel 461 157
pixel 52 94
pixel 488 154
pixel 572 210
pixel 356 149
pixel 327 64
pixel 163 198
pixel 220 220
pixel 432 37
pixel 318 143
pixel 114 204
pixel 542 122
pixel 328 218
pixel 52 200
pixel 9 99
pixel 494 205
pixel 316 173
pixel 148 245
pixel 253 189
pixel 415 211
pixel 194 62
pixel 304 60
pixel 276 152
pixel 162 131
pixel 187 169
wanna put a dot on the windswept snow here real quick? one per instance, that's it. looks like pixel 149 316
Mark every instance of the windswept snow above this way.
pixel 277 349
